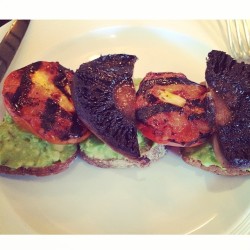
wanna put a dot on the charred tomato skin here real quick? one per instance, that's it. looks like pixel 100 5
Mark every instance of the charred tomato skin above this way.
pixel 172 110
pixel 38 98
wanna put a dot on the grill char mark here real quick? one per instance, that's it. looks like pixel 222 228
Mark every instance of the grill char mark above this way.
pixel 48 117
pixel 61 81
pixel 20 97
pixel 143 114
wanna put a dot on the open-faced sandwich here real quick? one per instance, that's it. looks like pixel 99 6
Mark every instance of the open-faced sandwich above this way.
pixel 39 135
pixel 104 95
pixel 97 113
pixel 42 132
pixel 228 151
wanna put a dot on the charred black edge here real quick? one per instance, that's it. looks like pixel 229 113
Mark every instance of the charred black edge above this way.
pixel 61 79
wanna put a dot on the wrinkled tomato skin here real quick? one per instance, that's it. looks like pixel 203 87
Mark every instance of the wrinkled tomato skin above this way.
pixel 166 123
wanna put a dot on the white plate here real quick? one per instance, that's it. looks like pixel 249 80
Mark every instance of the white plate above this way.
pixel 169 197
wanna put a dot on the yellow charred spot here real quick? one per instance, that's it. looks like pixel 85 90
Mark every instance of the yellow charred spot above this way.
pixel 42 81
pixel 171 98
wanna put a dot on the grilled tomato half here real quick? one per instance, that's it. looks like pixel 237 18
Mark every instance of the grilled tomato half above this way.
pixel 172 110
pixel 38 98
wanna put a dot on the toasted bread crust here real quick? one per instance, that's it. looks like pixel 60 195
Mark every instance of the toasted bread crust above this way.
pixel 154 154
pixel 215 169
pixel 43 171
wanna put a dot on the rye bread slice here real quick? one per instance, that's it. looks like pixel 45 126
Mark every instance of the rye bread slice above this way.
pixel 215 169
pixel 187 155
pixel 155 153
pixel 55 168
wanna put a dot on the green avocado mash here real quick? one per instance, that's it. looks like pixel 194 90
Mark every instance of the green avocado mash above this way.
pixel 204 153
pixel 96 149
pixel 137 82
pixel 19 148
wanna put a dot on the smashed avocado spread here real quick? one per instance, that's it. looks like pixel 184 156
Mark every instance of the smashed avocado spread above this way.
pixel 19 148
pixel 96 149
pixel 137 82
pixel 205 154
